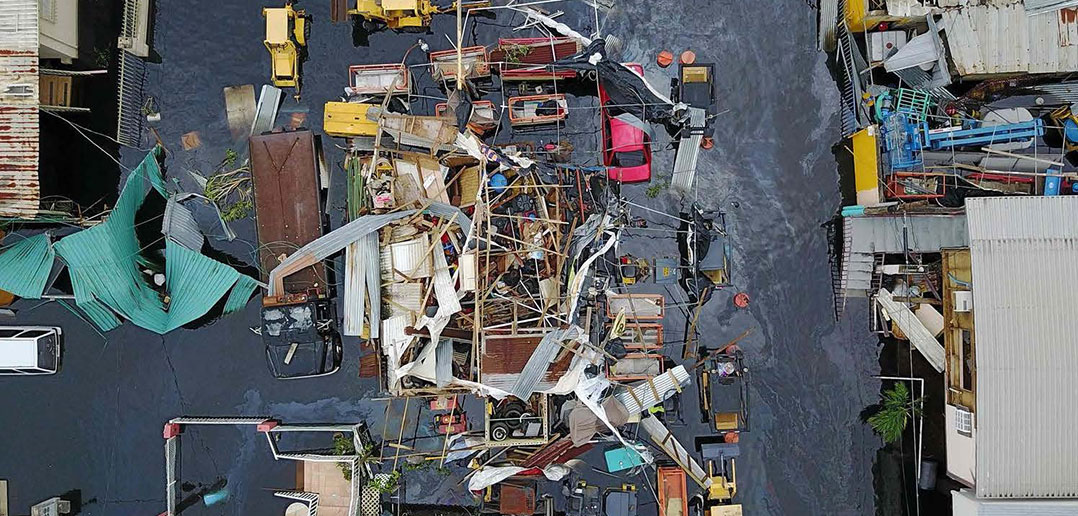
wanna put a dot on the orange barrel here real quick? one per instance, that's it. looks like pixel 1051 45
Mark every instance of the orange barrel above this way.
pixel 665 58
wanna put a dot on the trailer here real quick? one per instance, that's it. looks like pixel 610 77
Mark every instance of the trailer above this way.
pixel 533 110
pixel 672 491
pixel 379 79
pixel 288 204
pixel 484 117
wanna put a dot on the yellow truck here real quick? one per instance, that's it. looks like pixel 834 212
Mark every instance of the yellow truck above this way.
pixel 287 30
pixel 405 15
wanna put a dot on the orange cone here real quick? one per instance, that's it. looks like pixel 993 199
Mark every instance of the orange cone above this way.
pixel 665 58
pixel 688 57
pixel 741 300
pixel 707 143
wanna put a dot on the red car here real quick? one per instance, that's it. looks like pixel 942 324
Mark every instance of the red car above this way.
pixel 626 148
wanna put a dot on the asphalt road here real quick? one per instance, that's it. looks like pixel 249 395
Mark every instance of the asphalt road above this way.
pixel 95 427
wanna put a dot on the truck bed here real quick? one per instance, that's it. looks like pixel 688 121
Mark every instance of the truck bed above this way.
pixel 287 203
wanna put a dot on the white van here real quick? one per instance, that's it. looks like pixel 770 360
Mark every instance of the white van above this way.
pixel 26 350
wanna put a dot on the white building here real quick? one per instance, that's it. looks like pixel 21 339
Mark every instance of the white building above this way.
pixel 1012 358
pixel 58 21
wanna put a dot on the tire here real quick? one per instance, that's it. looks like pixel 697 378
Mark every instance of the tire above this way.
pixel 499 432
pixel 513 414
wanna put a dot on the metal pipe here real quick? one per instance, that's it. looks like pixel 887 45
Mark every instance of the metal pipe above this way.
pixel 919 437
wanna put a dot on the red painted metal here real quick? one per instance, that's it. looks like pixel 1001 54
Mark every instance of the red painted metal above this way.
pixel 540 50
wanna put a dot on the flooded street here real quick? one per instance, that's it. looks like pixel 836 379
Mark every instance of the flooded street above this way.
pixel 98 424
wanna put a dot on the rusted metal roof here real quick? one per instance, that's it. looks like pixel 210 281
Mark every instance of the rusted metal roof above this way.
pixel 19 127
pixel 287 203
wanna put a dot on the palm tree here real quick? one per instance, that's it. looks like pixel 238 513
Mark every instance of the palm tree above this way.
pixel 896 409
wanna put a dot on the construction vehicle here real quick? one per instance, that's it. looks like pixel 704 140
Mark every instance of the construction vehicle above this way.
pixel 704 249
pixel 719 369
pixel 620 501
pixel 287 30
pixel 722 471
pixel 404 15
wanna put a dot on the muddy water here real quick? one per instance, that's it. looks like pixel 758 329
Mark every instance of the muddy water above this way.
pixel 771 170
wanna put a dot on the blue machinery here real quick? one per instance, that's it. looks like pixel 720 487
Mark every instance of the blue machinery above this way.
pixel 904 138
pixel 947 139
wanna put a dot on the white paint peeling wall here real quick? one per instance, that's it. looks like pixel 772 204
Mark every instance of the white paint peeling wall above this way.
pixel 19 127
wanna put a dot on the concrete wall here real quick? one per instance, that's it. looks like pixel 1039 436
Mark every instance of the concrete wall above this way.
pixel 964 503
pixel 59 25
pixel 961 449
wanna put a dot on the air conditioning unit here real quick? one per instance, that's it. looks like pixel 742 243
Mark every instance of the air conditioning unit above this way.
pixel 963 301
pixel 963 421
pixel 52 507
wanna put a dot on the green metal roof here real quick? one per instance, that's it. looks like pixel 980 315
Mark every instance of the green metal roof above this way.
pixel 105 274
pixel 26 265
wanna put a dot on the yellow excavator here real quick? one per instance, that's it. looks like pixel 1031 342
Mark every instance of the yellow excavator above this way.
pixel 287 30
pixel 404 15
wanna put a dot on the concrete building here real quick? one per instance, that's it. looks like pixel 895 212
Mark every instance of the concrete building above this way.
pixel 1011 359
pixel 58 22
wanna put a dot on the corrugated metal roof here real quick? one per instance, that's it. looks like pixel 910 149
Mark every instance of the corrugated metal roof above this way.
pixel 18 25
pixel 19 128
pixel 1026 355
pixel 105 277
pixel 1043 6
pixel 923 233
pixel 27 264
pixel 179 225
pixel 985 39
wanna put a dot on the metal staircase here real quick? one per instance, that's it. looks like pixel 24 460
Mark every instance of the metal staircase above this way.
pixel 310 499
pixel 849 80
pixel 839 272
pixel 129 97
pixel 133 48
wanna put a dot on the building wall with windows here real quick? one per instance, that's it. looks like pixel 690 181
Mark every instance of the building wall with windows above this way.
pixel 961 444
pixel 59 25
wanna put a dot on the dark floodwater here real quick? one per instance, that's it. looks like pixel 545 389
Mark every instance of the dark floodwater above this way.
pixel 96 426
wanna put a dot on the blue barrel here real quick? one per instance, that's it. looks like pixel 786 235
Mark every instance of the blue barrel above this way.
pixel 1070 130
pixel 853 211
pixel 215 497
pixel 498 182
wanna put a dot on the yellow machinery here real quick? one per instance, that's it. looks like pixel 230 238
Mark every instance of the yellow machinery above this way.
pixel 1067 122
pixel 348 120
pixel 286 39
pixel 405 14
pixel 721 493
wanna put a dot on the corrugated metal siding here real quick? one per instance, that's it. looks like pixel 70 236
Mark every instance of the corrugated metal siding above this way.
pixel 179 226
pixel 26 264
pixel 1026 355
pixel 985 40
pixel 19 129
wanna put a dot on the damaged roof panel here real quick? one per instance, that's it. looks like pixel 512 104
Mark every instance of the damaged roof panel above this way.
pixel 506 356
